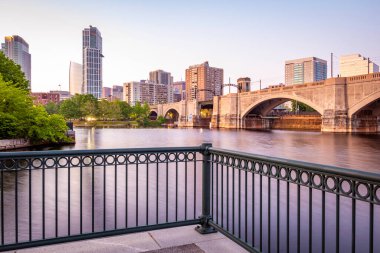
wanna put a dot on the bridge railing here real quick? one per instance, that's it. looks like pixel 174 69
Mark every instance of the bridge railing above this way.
pixel 262 203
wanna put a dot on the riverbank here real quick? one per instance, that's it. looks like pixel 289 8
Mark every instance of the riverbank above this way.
pixel 117 124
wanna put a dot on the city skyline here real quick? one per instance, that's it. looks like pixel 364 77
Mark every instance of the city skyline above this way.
pixel 244 38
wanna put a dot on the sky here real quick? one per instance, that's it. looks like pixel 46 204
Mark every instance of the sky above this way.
pixel 246 38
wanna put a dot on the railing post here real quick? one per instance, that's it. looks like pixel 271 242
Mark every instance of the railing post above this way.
pixel 205 227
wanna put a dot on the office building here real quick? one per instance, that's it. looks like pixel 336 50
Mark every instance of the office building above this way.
pixel 107 92
pixel 203 82
pixel 76 78
pixel 145 91
pixel 17 49
pixel 179 91
pixel 63 94
pixel 117 92
pixel 162 77
pixel 92 62
pixel 305 70
pixel 355 64
pixel 43 98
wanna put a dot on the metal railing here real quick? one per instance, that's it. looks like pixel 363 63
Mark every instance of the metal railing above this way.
pixel 278 205
pixel 58 196
pixel 262 203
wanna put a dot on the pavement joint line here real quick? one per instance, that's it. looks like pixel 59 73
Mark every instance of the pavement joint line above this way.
pixel 154 239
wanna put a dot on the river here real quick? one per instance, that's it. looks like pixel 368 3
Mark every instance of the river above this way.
pixel 355 151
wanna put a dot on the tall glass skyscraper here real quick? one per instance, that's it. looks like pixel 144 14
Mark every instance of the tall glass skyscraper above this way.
pixel 92 62
pixel 17 49
pixel 305 70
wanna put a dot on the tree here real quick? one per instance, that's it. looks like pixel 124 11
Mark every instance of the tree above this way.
pixel 298 106
pixel 52 108
pixel 12 74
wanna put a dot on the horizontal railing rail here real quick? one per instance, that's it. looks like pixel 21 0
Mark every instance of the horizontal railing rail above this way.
pixel 277 205
pixel 58 196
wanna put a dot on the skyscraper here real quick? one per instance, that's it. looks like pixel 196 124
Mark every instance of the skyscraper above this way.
pixel 203 82
pixel 305 70
pixel 92 62
pixel 17 49
pixel 355 64
pixel 162 77
pixel 76 78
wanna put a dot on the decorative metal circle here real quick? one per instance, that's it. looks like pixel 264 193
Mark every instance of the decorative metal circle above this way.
pixel 283 173
pixel 162 157
pixel 132 158
pixel 257 167
pixel 305 177
pixel 172 157
pixel 345 186
pixel 142 158
pixel 330 183
pixel 9 164
pixel 317 180
pixel 250 165
pixel 75 161
pixel 153 158
pixel 190 156
pixel 360 187
pixel 87 160
pixel 37 163
pixel 50 162
pixel 265 169
pixel 231 161
pixel 99 160
pixel 376 193
pixel 63 162
pixel 181 157
pixel 22 164
pixel 274 171
pixel 120 159
pixel 293 175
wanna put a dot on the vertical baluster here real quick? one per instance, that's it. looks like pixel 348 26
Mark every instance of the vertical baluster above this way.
pixel 126 190
pixel 56 197
pixel 43 201
pixel 195 185
pixel 353 235
pixel 299 215
pixel 278 211
pixel 222 195
pixel 147 191
pixel 2 206
pixel 115 193
pixel 30 199
pixel 287 214
pixel 16 202
pixel 176 188
pixel 228 197
pixel 212 190
pixel 239 199
pixel 233 199
pixel 93 198
pixel 269 207
pixel 261 207
pixel 323 220
pixel 310 213
pixel 371 213
pixel 104 193
pixel 337 219
pixel 137 190
pixel 217 193
pixel 185 188
pixel 81 197
pixel 246 207
pixel 157 188
pixel 167 189
pixel 253 205
pixel 68 196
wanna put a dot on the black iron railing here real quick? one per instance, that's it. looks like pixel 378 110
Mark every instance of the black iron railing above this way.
pixel 263 203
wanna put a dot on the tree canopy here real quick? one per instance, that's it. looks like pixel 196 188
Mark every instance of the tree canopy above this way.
pixel 12 73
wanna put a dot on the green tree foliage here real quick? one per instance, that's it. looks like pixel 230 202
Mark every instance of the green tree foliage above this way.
pixel 12 73
pixel 52 108
pixel 79 107
pixel 301 107
pixel 19 118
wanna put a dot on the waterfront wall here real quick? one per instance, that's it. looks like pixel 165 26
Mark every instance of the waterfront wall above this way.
pixel 13 144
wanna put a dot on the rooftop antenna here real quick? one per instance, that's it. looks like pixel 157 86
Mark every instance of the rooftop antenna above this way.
pixel 60 89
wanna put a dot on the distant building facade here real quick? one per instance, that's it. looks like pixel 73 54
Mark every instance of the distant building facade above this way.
pixel 305 70
pixel 179 91
pixel 42 98
pixel 107 93
pixel 63 94
pixel 17 49
pixel 355 64
pixel 162 77
pixel 203 82
pixel 92 62
pixel 117 92
pixel 145 91
pixel 76 78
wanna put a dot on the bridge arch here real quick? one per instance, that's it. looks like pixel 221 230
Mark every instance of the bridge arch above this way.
pixel 153 114
pixel 171 114
pixel 363 103
pixel 269 102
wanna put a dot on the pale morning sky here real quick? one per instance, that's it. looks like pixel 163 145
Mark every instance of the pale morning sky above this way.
pixel 246 38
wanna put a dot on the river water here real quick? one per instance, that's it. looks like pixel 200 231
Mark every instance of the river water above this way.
pixel 111 196
pixel 355 151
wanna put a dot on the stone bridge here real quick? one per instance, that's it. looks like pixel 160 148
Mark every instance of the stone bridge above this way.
pixel 344 104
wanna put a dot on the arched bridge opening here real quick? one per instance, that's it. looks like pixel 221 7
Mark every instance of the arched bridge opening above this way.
pixel 172 116
pixel 367 118
pixel 282 113
pixel 153 115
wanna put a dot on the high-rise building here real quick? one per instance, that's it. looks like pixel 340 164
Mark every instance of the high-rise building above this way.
pixel 106 92
pixel 117 92
pixel 203 82
pixel 355 64
pixel 145 91
pixel 305 70
pixel 162 77
pixel 76 78
pixel 17 49
pixel 179 91
pixel 92 62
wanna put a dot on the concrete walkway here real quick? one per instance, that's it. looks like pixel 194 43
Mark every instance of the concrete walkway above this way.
pixel 173 240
